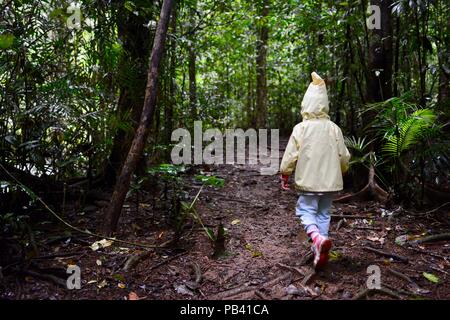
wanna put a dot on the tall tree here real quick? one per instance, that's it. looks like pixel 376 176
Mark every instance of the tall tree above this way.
pixel 114 208
pixel 261 63
pixel 192 57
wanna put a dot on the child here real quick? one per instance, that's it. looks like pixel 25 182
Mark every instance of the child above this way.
pixel 317 151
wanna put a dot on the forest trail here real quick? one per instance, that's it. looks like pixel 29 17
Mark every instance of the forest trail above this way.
pixel 266 251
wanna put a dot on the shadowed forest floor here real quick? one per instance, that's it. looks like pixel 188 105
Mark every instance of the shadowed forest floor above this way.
pixel 267 255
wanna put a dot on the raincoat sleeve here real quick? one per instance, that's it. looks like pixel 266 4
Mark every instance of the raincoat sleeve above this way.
pixel 344 154
pixel 291 153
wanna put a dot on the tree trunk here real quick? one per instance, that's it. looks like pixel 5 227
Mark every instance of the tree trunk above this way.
pixel 444 70
pixel 192 72
pixel 261 65
pixel 114 208
pixel 168 111
pixel 379 87
pixel 132 77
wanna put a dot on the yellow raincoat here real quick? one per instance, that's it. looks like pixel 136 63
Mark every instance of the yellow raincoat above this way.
pixel 316 147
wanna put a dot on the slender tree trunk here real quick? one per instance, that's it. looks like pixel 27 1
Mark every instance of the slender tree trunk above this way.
pixel 249 114
pixel 168 111
pixel 444 69
pixel 261 66
pixel 136 43
pixel 396 55
pixel 114 208
pixel 192 57
pixel 379 87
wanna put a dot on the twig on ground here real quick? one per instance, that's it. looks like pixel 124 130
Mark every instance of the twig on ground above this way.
pixel 290 268
pixel 59 255
pixel 367 228
pixel 261 295
pixel 427 212
pixel 135 259
pixel 197 271
pixel 434 237
pixel 308 256
pixel 364 293
pixel 401 276
pixel 308 277
pixel 246 287
pixel 48 277
pixel 428 253
pixel 387 254
pixel 440 270
pixel 339 224
pixel 349 216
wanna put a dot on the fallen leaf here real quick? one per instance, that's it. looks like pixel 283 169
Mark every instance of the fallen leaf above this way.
pixel 182 289
pixel 121 285
pixel 101 244
pixel 335 255
pixel 99 262
pixel 430 277
pixel 235 221
pixel 102 284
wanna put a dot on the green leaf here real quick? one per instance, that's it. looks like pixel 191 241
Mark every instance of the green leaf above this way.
pixel 210 234
pixel 130 6
pixel 6 41
pixel 431 277
pixel 211 180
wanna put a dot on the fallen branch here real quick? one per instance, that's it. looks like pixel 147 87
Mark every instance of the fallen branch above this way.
pixel 367 228
pixel 261 295
pixel 401 276
pixel 364 293
pixel 59 255
pixel 349 216
pixel 48 277
pixel 197 271
pixel 387 254
pixel 246 288
pixel 135 259
pixel 440 270
pixel 306 258
pixel 308 277
pixel 428 253
pixel 435 237
pixel 164 262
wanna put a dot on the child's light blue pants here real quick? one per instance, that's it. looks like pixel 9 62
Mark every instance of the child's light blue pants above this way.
pixel 313 210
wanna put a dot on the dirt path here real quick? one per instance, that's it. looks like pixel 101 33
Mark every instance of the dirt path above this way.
pixel 266 251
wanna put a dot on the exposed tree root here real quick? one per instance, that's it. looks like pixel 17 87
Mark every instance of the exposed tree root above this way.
pixel 372 191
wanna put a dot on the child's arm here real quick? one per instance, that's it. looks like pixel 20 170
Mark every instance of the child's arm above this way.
pixel 289 158
pixel 344 154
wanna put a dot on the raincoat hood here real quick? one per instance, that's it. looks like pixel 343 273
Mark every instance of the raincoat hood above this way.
pixel 315 101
